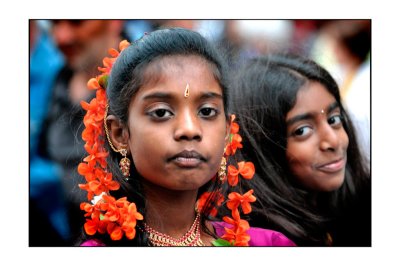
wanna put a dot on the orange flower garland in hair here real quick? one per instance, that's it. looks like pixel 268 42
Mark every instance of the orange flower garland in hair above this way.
pixel 236 235
pixel 104 213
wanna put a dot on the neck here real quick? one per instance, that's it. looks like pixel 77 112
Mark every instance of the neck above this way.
pixel 170 212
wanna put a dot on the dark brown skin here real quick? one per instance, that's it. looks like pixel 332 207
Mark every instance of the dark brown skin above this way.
pixel 317 142
pixel 175 142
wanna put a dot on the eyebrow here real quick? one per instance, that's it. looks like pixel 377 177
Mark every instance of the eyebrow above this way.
pixel 310 115
pixel 158 95
pixel 168 96
pixel 210 95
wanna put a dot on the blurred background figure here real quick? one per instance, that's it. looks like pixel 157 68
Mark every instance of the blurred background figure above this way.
pixel 246 39
pixel 83 44
pixel 346 46
pixel 352 45
pixel 266 36
pixel 47 213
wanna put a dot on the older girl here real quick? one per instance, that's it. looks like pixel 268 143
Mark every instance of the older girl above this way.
pixel 312 181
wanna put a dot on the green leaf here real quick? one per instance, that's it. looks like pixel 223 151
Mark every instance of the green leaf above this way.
pixel 103 81
pixel 221 243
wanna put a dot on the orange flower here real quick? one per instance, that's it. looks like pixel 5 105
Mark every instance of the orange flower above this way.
pixel 129 229
pixel 133 214
pixel 234 128
pixel 130 223
pixel 109 183
pixel 246 170
pixel 234 144
pixel 94 225
pixel 89 191
pixel 86 170
pixel 113 52
pixel 93 84
pixel 234 125
pixel 236 234
pixel 90 227
pixel 87 207
pixel 235 199
pixel 114 231
pixel 88 135
pixel 108 63
pixel 124 44
pixel 95 109
pixel 106 214
pixel 234 138
pixel 205 197
pixel 117 212
pixel 95 154
pixel 202 201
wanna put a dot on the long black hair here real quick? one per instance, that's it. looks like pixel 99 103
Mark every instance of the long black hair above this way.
pixel 126 78
pixel 263 92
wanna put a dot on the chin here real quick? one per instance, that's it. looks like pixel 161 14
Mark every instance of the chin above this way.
pixel 335 185
pixel 187 185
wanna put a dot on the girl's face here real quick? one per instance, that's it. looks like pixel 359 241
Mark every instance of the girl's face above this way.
pixel 177 142
pixel 317 142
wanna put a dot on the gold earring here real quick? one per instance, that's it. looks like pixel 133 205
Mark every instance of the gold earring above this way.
pixel 125 164
pixel 222 170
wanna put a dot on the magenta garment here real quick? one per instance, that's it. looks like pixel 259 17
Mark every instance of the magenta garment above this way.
pixel 93 243
pixel 259 237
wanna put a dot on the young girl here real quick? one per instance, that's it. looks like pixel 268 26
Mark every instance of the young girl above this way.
pixel 312 183
pixel 163 118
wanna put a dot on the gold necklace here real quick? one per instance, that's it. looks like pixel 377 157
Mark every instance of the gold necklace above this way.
pixel 191 238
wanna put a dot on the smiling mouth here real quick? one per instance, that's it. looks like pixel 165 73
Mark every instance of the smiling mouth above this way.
pixel 333 166
pixel 187 159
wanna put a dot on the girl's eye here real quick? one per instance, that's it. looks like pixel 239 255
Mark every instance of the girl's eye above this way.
pixel 160 114
pixel 208 112
pixel 302 131
pixel 335 120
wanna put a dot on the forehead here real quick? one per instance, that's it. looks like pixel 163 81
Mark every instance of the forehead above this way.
pixel 166 79
pixel 167 66
pixel 182 69
pixel 312 97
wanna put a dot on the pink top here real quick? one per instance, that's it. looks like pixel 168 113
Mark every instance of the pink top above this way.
pixel 259 237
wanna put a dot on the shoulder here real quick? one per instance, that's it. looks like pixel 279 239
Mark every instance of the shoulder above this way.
pixel 259 236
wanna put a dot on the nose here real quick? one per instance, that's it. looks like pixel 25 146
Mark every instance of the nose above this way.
pixel 188 127
pixel 329 138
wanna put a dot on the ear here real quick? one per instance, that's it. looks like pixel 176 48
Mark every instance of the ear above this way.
pixel 118 133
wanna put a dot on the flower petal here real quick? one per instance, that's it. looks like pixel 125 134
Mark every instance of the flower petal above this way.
pixel 93 84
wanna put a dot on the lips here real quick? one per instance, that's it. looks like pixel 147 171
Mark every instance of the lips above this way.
pixel 187 159
pixel 332 166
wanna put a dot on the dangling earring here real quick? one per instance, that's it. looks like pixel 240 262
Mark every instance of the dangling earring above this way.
pixel 125 164
pixel 222 170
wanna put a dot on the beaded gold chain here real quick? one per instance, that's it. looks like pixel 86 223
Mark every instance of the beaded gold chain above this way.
pixel 191 238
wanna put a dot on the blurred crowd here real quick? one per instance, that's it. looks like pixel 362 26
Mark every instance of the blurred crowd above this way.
pixel 65 54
